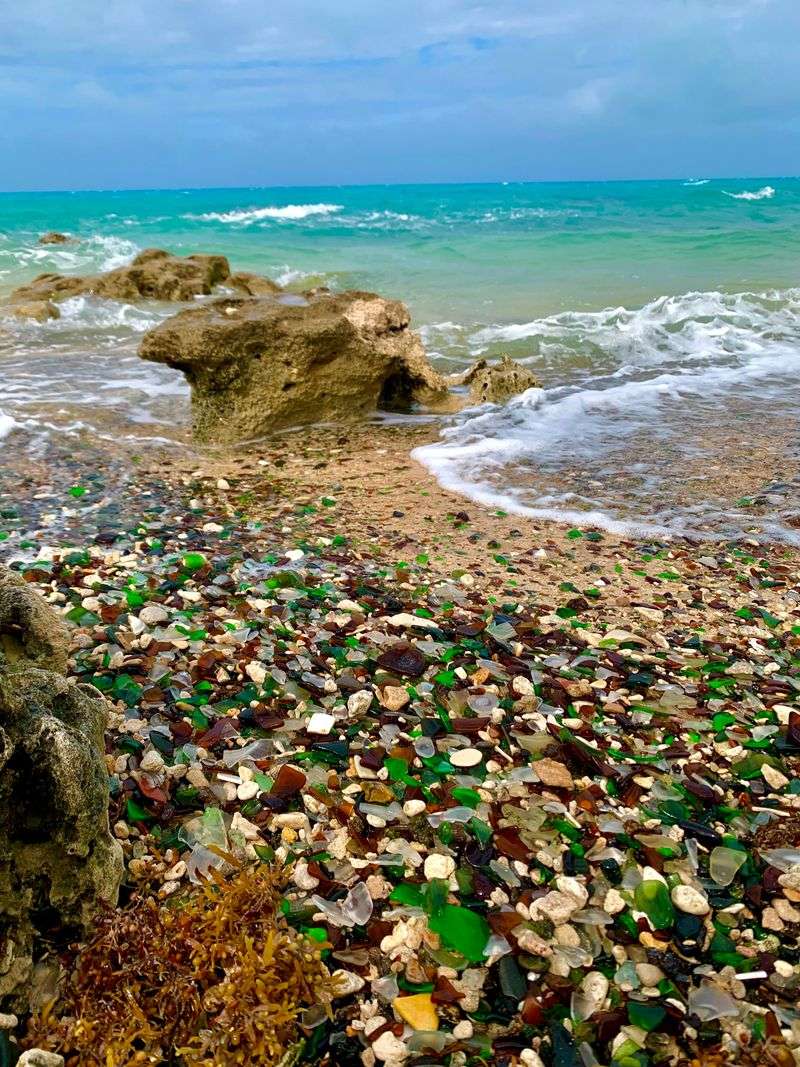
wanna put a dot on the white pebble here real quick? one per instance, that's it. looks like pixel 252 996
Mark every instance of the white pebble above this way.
pixel 439 866
pixel 320 723
pixel 692 901
pixel 465 757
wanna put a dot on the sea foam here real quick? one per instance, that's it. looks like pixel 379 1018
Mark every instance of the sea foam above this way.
pixel 256 214
pixel 766 193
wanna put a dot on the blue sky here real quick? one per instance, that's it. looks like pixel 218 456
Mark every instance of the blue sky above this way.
pixel 157 93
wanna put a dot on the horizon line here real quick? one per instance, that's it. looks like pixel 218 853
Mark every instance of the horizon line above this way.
pixel 397 185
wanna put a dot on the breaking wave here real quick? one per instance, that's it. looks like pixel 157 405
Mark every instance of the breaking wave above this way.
pixel 766 193
pixel 256 214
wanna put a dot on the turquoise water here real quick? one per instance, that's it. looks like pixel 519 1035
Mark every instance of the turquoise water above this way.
pixel 663 319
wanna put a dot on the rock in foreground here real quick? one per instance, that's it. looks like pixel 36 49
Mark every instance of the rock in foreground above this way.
pixel 260 365
pixel 58 860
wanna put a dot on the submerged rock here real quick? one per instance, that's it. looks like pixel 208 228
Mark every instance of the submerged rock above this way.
pixel 253 284
pixel 53 237
pixel 154 274
pixel 496 383
pixel 58 860
pixel 257 365
pixel 37 310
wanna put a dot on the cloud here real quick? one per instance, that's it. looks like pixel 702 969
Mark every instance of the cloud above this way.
pixel 527 86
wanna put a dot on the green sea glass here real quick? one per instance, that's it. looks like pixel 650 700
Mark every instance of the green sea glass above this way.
pixel 652 897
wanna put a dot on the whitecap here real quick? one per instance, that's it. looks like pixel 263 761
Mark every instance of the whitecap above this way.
pixel 256 214
pixel 766 193
pixel 7 424
pixel 692 182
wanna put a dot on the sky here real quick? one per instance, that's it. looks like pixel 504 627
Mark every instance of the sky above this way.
pixel 180 93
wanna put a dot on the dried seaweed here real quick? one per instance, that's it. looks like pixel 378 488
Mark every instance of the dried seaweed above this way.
pixel 212 977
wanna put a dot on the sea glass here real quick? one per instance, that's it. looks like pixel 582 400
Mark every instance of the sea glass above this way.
pixel 724 864
pixel 652 897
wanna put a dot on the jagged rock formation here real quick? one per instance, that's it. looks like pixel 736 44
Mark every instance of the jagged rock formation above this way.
pixel 154 274
pixel 37 310
pixel 497 382
pixel 58 860
pixel 260 365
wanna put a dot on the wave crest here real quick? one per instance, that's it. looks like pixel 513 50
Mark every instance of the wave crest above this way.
pixel 290 212
pixel 766 193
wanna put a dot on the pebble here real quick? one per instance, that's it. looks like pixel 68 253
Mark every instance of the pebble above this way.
pixel 438 866
pixel 36 1057
pixel 359 703
pixel 552 773
pixel 153 615
pixel 692 901
pixel 465 757
pixel 395 697
pixel 388 1048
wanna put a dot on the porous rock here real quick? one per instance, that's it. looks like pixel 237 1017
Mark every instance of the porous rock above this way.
pixel 58 860
pixel 153 274
pixel 258 365
pixel 37 310
pixel 496 383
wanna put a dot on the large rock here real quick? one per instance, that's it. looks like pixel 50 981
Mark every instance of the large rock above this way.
pixel 496 383
pixel 58 860
pixel 153 275
pixel 263 364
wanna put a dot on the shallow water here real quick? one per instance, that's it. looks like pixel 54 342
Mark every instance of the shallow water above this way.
pixel 663 319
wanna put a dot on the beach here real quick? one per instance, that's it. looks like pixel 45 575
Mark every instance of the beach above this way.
pixel 510 696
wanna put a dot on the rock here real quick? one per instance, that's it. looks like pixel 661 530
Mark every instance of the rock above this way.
pixel 496 383
pixel 257 365
pixel 53 237
pixel 253 284
pixel 394 697
pixel 59 860
pixel 439 866
pixel 390 1049
pixel 466 757
pixel 553 774
pixel 690 900
pixel 37 310
pixel 37 1057
pixel 320 723
pixel 153 614
pixel 32 634
pixel 153 275
pixel 358 703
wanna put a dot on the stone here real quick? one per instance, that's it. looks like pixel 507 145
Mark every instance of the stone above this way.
pixel 53 237
pixel 153 615
pixel 418 1011
pixel 465 757
pixel 256 365
pixel 439 866
pixel 252 284
pixel 153 275
pixel 692 901
pixel 553 774
pixel 394 697
pixel 60 862
pixel 495 383
pixel 36 310
pixel 390 1049
pixel 345 983
pixel 37 1057
pixel 32 634
pixel 556 906
pixel 358 703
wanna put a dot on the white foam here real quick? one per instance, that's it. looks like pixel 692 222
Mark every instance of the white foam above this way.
pixel 766 193
pixel 7 424
pixel 290 212
pixel 652 372
pixel 697 181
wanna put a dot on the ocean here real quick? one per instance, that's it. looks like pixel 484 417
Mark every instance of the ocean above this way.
pixel 662 319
